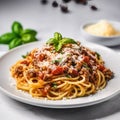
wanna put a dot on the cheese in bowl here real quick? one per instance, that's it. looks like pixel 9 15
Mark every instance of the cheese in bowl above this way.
pixel 104 32
pixel 102 28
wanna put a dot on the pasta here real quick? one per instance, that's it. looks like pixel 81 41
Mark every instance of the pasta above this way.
pixel 72 72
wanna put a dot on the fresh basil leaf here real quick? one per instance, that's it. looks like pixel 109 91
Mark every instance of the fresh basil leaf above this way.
pixel 68 41
pixel 57 61
pixel 26 38
pixel 24 56
pixel 54 85
pixel 15 42
pixel 98 55
pixel 63 42
pixel 58 41
pixel 6 38
pixel 68 76
pixel 58 47
pixel 85 65
pixel 52 41
pixel 57 36
pixel 17 28
pixel 55 40
pixel 29 31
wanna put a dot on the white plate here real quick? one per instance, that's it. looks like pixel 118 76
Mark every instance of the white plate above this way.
pixel 2 53
pixel 112 61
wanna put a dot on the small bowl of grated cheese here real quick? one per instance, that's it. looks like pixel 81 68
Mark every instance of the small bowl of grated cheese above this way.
pixel 102 32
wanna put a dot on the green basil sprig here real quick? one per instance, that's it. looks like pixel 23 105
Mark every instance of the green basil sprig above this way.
pixel 15 42
pixel 58 41
pixel 6 38
pixel 18 35
pixel 29 31
pixel 17 28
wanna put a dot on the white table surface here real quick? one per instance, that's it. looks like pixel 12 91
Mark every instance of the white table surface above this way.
pixel 47 20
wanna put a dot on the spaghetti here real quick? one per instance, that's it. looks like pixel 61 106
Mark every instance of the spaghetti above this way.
pixel 72 72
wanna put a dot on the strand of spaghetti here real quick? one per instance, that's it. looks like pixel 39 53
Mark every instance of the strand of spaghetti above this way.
pixel 25 75
pixel 73 93
pixel 103 81
pixel 67 87
pixel 65 78
pixel 62 85
pixel 55 93
pixel 35 83
pixel 99 60
pixel 22 84
pixel 35 92
pixel 86 84
pixel 98 79
pixel 76 82
pixel 60 96
pixel 81 90
pixel 90 90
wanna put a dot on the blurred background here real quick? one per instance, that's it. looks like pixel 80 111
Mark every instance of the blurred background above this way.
pixel 47 19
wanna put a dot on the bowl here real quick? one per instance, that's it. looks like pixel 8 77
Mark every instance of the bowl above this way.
pixel 103 40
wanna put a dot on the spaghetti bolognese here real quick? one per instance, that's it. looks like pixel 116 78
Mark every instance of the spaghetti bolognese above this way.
pixel 62 68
